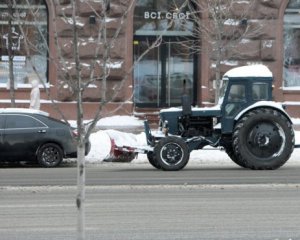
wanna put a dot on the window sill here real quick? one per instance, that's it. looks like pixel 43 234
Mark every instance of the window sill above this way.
pixel 291 89
pixel 23 86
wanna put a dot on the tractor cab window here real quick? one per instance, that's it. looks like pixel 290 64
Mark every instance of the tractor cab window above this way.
pixel 236 100
pixel 260 91
pixel 223 87
pixel 237 93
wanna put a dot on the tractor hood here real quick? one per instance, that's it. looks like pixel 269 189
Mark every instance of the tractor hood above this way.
pixel 172 115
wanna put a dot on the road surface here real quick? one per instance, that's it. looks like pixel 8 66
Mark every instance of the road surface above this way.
pixel 125 201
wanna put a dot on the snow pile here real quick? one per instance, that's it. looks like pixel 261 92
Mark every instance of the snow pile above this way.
pixel 100 147
pixel 101 143
pixel 124 121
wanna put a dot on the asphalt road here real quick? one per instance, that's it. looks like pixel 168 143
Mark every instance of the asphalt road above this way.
pixel 137 202
pixel 152 212
pixel 143 174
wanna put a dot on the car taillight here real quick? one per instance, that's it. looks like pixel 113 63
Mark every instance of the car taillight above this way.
pixel 74 133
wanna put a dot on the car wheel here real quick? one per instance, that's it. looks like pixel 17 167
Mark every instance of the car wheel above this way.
pixel 50 155
pixel 172 153
pixel 263 139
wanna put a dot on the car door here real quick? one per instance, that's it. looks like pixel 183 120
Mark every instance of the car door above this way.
pixel 23 135
pixel 2 121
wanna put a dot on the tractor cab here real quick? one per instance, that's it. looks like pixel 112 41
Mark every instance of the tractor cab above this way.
pixel 240 88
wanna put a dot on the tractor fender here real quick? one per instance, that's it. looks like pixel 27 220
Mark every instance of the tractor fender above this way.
pixel 260 104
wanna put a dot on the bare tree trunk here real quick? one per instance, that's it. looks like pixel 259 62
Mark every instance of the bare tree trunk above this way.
pixel 11 82
pixel 11 56
pixel 218 69
pixel 218 79
pixel 105 54
pixel 80 199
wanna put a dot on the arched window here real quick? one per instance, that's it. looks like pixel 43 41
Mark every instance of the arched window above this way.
pixel 164 72
pixel 23 38
pixel 291 71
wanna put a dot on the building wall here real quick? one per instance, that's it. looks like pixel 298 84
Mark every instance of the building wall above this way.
pixel 264 46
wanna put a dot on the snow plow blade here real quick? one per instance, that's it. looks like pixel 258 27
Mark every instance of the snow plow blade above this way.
pixel 120 154
pixel 124 147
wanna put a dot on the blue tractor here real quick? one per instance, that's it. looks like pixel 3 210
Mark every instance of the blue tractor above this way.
pixel 255 132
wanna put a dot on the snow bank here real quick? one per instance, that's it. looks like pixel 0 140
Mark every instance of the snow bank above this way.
pixel 101 143
pixel 100 147
pixel 119 121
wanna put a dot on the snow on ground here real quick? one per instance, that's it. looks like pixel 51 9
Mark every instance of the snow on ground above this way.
pixel 101 144
pixel 125 121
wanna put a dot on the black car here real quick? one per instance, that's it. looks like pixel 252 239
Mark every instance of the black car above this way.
pixel 31 135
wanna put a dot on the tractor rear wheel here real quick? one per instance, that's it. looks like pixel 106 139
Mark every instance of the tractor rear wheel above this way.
pixel 263 139
pixel 172 153
pixel 227 144
pixel 230 152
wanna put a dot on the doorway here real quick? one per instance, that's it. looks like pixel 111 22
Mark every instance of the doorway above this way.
pixel 164 73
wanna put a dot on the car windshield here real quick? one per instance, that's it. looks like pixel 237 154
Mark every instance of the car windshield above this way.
pixel 223 87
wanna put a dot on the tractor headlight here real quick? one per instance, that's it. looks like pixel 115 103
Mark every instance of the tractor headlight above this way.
pixel 215 121
pixel 165 127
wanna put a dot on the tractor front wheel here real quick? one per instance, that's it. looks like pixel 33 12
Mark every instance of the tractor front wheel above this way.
pixel 172 153
pixel 263 139
pixel 152 160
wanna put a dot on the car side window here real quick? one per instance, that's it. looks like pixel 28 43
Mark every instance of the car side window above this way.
pixel 2 119
pixel 22 121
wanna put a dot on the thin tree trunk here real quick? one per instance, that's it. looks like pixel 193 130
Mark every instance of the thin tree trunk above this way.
pixel 80 199
pixel 11 56
pixel 218 76
pixel 11 83
pixel 105 54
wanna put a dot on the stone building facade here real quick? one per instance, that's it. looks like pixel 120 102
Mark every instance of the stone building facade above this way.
pixel 158 79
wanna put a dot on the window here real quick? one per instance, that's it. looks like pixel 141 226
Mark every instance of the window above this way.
pixel 164 72
pixel 236 100
pixel 259 91
pixel 237 93
pixel 27 21
pixel 2 119
pixel 21 121
pixel 291 70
